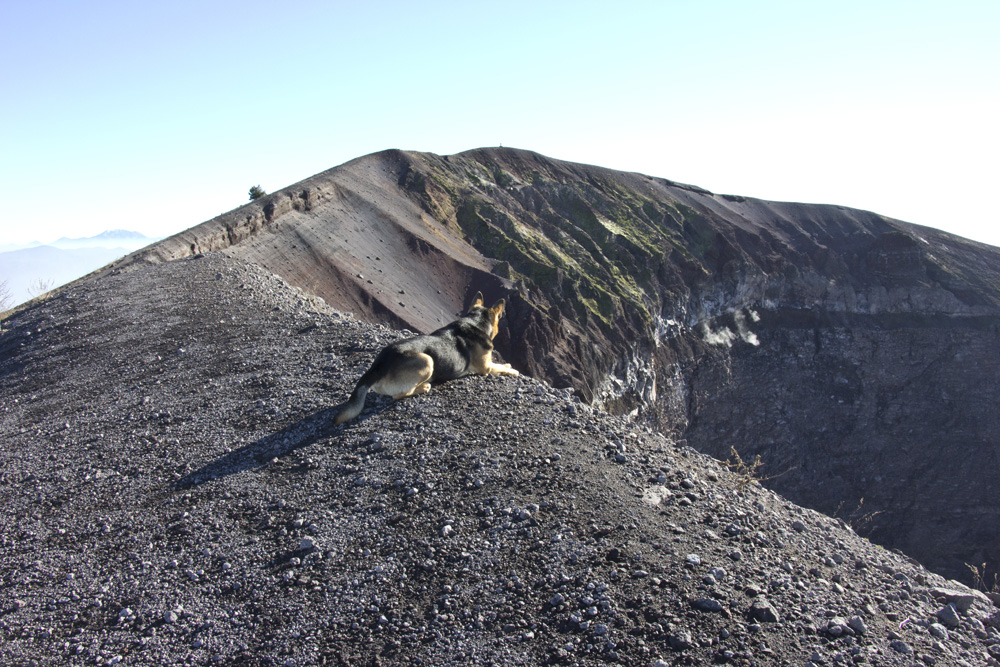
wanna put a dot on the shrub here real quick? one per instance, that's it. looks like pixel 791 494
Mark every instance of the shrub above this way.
pixel 256 192
pixel 6 298
pixel 39 286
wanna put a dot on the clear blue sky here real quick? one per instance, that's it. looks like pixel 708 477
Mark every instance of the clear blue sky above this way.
pixel 157 116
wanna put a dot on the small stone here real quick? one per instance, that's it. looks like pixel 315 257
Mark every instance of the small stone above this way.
pixel 857 624
pixel 839 626
pixel 306 544
pixel 707 604
pixel 798 526
pixel 693 559
pixel 963 601
pixel 949 616
pixel 557 600
pixel 938 631
pixel 170 617
pixel 681 641
pixel 761 610
pixel 736 554
pixel 900 646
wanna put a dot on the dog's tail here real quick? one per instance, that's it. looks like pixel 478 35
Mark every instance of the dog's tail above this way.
pixel 356 403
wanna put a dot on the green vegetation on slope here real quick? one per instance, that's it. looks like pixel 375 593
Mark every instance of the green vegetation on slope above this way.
pixel 590 245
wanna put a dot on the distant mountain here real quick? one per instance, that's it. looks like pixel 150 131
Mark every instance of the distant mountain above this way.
pixel 9 247
pixel 115 238
pixel 26 268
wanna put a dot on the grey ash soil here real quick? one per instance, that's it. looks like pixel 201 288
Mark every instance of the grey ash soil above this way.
pixel 856 355
pixel 173 493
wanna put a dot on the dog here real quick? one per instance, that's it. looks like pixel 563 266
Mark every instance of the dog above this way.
pixel 409 367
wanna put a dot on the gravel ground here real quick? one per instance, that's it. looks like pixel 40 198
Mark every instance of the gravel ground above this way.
pixel 173 493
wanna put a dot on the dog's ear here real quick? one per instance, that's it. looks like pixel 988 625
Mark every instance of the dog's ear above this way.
pixel 498 308
pixel 478 300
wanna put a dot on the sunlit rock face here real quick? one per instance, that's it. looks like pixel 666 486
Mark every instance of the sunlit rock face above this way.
pixel 859 356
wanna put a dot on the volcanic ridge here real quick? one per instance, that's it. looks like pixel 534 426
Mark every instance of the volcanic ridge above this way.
pixel 174 491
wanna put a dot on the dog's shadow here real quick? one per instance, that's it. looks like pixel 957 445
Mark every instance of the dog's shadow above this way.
pixel 307 431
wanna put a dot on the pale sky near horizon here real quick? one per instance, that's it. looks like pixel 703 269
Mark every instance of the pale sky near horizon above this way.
pixel 154 117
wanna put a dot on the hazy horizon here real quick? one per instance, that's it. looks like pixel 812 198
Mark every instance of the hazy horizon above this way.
pixel 156 118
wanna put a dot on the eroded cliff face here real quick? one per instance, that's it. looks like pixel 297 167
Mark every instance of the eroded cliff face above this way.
pixel 886 421
pixel 857 355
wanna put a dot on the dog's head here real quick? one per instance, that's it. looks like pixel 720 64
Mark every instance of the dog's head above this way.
pixel 489 316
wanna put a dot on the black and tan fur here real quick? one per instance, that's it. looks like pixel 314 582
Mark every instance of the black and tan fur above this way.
pixel 409 367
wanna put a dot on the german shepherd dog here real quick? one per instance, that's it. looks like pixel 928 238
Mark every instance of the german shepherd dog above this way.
pixel 409 367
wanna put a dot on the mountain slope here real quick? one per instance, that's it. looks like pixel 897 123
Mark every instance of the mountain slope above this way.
pixel 173 493
pixel 854 353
